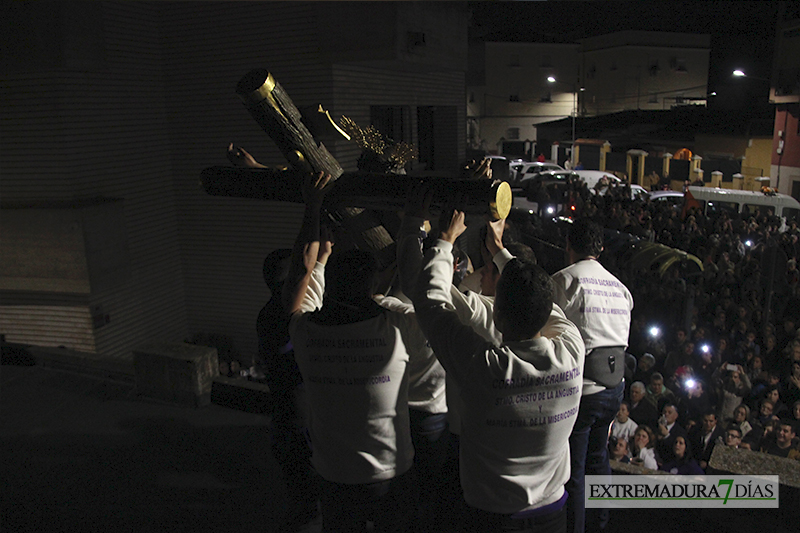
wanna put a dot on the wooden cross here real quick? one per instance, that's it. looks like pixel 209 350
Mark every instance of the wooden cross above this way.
pixel 354 196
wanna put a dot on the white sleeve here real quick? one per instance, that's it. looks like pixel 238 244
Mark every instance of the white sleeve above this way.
pixel 312 300
pixel 476 311
pixel 501 259
pixel 559 328
pixel 454 343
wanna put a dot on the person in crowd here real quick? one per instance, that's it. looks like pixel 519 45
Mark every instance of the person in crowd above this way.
pixel 761 423
pixel 683 355
pixel 668 431
pixel 514 456
pixel 733 387
pixel 603 318
pixel 773 394
pixel 741 417
pixel 770 354
pixel 441 486
pixel 645 368
pixel 782 443
pixel 733 436
pixel 353 355
pixel 693 402
pixel 705 438
pixel 791 385
pixel 427 409
pixel 657 393
pixel 641 411
pixel 623 426
pixel 288 440
pixel 682 462
pixel 643 451
pixel 796 410
pixel 618 450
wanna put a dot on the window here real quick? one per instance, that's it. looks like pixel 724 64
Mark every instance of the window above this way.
pixel 393 122
pixel 653 98
pixel 715 208
pixel 512 134
pixel 653 68
pixel 678 64
pixel 791 214
pixel 513 97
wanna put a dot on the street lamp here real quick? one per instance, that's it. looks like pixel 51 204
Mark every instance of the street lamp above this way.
pixel 552 79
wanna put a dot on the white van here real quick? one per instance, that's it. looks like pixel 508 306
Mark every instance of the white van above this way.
pixel 715 200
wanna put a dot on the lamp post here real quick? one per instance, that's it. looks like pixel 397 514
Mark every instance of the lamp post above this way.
pixel 552 79
pixel 739 73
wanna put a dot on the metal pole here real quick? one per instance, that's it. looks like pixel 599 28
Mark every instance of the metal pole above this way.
pixel 574 113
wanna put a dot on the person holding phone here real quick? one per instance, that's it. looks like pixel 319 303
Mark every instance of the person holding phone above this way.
pixel 733 386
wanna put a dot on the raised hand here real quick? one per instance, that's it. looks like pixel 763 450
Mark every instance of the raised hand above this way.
pixel 241 158
pixel 454 228
pixel 494 235
pixel 418 202
pixel 314 188
pixel 479 170
pixel 326 242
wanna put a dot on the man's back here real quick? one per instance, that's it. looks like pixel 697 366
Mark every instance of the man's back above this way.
pixel 595 301
pixel 520 399
pixel 356 382
pixel 519 408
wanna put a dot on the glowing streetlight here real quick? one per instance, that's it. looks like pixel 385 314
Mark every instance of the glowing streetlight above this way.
pixel 738 73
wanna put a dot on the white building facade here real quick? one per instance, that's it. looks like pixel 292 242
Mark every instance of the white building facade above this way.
pixel 508 92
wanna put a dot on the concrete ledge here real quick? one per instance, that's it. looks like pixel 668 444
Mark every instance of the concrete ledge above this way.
pixel 627 468
pixel 176 372
pixel 241 394
pixel 83 363
pixel 734 461
pixel 747 462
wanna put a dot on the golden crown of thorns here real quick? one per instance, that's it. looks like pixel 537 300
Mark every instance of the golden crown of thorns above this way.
pixel 398 154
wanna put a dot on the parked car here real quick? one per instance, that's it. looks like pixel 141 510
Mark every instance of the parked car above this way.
pixel 546 176
pixel 522 170
pixel 593 177
pixel 502 167
pixel 674 198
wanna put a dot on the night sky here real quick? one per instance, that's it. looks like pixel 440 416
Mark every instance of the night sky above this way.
pixel 742 33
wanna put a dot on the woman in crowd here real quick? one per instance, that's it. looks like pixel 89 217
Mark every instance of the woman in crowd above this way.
pixel 740 418
pixel 643 451
pixel 773 394
pixel 684 463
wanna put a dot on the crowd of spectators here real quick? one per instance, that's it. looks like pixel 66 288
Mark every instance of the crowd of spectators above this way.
pixel 713 352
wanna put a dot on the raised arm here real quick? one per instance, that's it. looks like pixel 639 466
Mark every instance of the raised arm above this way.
pixel 453 342
pixel 306 250
pixel 409 242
